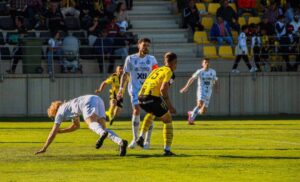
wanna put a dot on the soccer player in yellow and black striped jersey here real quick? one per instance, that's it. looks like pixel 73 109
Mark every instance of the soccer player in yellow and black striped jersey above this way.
pixel 115 105
pixel 154 99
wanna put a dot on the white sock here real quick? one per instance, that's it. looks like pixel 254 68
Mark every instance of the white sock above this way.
pixel 135 126
pixel 114 137
pixel 195 113
pixel 148 134
pixel 97 128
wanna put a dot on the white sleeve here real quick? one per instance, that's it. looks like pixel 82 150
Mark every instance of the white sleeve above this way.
pixel 127 65
pixel 196 74
pixel 215 76
pixel 51 43
pixel 58 118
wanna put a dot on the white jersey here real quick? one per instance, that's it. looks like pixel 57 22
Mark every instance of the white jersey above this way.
pixel 206 79
pixel 86 105
pixel 138 69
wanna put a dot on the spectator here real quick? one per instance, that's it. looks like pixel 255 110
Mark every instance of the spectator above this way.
pixel 104 50
pixel 272 12
pixel 122 16
pixel 68 8
pixel 288 46
pixel 71 54
pixel 112 28
pixel 241 51
pixel 55 18
pixel 191 17
pixel 34 8
pixel 55 51
pixel 297 50
pixel 295 23
pixel 256 45
pixel 228 14
pixel 17 7
pixel 17 50
pixel 121 45
pixel 221 32
pixel 94 31
pixel 267 26
pixel 289 13
pixel 280 27
pixel 248 6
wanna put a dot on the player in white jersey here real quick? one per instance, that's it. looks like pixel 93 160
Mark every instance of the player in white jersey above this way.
pixel 91 107
pixel 206 79
pixel 138 66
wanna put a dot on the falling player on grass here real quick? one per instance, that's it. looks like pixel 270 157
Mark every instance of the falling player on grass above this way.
pixel 206 79
pixel 154 99
pixel 91 107
pixel 137 66
pixel 115 106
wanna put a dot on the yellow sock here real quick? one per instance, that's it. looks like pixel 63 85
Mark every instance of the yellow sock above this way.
pixel 111 111
pixel 168 135
pixel 148 119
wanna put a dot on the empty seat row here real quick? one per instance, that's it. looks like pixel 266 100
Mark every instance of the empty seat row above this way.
pixel 225 52
pixel 212 7
pixel 201 37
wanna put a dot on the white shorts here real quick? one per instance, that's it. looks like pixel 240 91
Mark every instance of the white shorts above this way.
pixel 94 106
pixel 204 96
pixel 134 96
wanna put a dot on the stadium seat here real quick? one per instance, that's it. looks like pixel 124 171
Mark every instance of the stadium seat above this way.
pixel 72 23
pixel 212 8
pixel 226 52
pixel 7 23
pixel 210 52
pixel 207 1
pixel 207 22
pixel 45 36
pixel 200 6
pixel 233 6
pixel 242 21
pixel 235 35
pixel 2 39
pixel 254 20
pixel 5 53
pixel 200 37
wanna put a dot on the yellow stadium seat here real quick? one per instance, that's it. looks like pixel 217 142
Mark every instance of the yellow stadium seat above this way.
pixel 200 6
pixel 226 52
pixel 210 52
pixel 200 37
pixel 212 8
pixel 254 20
pixel 233 6
pixel 207 1
pixel 207 22
pixel 242 21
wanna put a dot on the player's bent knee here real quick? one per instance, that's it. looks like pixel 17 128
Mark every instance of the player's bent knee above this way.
pixel 166 118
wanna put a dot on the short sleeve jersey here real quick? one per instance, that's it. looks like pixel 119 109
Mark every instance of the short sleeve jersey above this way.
pixel 72 108
pixel 155 80
pixel 114 81
pixel 138 69
pixel 206 79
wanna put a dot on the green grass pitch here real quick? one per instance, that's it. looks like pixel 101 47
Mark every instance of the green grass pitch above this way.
pixel 247 150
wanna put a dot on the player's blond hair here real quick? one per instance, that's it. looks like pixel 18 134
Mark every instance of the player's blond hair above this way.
pixel 52 110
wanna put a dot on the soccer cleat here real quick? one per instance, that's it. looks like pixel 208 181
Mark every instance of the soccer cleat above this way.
pixel 111 122
pixel 140 142
pixel 123 148
pixel 99 142
pixel 235 71
pixel 132 144
pixel 168 153
pixel 190 119
pixel 253 69
pixel 146 145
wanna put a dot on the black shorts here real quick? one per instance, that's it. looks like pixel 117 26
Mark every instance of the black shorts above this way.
pixel 113 96
pixel 154 105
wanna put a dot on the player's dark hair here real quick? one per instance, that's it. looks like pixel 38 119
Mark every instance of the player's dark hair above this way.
pixel 206 59
pixel 144 40
pixel 120 65
pixel 170 57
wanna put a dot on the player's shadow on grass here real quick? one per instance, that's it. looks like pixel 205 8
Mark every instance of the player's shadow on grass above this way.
pixel 32 142
pixel 81 157
pixel 250 157
pixel 145 156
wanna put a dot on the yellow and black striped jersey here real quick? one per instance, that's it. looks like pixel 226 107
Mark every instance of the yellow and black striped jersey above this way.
pixel 155 80
pixel 114 80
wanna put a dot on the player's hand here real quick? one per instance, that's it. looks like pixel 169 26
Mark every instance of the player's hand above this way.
pixel 43 150
pixel 96 91
pixel 183 90
pixel 172 110
pixel 119 96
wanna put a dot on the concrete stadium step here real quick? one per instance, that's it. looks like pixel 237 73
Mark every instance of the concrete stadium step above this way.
pixel 147 8
pixel 149 12
pixel 150 3
pixel 154 24
pixel 168 39
pixel 159 31
pixel 153 17
pixel 182 47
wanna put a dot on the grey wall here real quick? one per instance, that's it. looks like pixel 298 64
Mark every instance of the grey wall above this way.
pixel 270 93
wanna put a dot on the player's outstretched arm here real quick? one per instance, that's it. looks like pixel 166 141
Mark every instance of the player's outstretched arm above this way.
pixel 74 126
pixel 51 137
pixel 101 88
pixel 124 79
pixel 187 85
pixel 164 92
